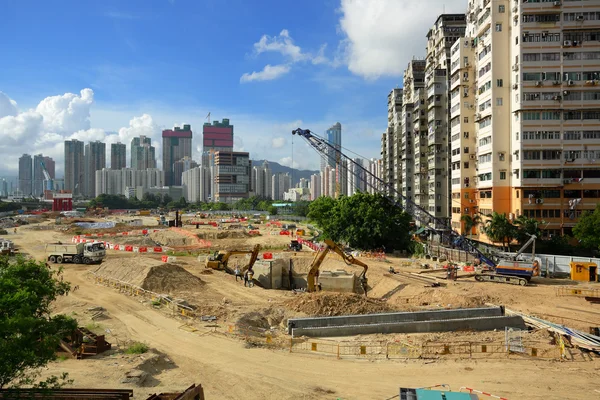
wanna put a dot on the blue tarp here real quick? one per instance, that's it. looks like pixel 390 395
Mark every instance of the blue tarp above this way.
pixel 96 225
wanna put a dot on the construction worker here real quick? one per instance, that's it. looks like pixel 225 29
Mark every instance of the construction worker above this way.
pixel 250 278
pixel 245 278
pixel 392 270
pixel 238 273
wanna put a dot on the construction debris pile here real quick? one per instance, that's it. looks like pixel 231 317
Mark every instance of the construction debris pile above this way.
pixel 333 304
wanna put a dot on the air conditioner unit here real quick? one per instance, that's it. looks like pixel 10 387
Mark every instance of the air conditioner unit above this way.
pixel 515 86
pixel 556 83
pixel 557 4
pixel 515 67
pixel 471 201
pixel 567 43
pixel 539 201
pixel 580 18
pixel 477 116
pixel 515 9
pixel 539 83
pixel 566 92
pixel 471 156
pixel 571 83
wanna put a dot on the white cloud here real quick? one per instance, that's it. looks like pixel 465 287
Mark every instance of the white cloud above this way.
pixel 278 142
pixel 287 161
pixel 282 44
pixel 8 107
pixel 67 113
pixel 382 36
pixel 268 73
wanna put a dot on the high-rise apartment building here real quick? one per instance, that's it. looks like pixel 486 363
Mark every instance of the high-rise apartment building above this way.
pixel 447 29
pixel 315 186
pixel 177 144
pixel 357 177
pixel 195 182
pixel 38 176
pixel 396 138
pixel 413 131
pixel 517 120
pixel 95 159
pixel 231 172
pixel 262 180
pixel 118 155
pixel 143 154
pixel 117 182
pixel 282 182
pixel 180 166
pixel 50 166
pixel 387 159
pixel 74 166
pixel 334 137
pixel 25 175
pixel 325 184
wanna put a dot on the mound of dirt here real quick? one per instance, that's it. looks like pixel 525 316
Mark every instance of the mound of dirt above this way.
pixel 333 304
pixel 150 274
pixel 439 297
pixel 223 235
pixel 172 239
pixel 133 240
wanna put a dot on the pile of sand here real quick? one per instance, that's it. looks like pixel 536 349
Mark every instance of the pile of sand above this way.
pixel 150 274
pixel 170 238
pixel 332 304
pixel 133 240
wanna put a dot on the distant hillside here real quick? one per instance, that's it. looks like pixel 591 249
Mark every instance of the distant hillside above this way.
pixel 276 168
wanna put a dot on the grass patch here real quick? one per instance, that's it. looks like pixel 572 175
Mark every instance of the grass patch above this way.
pixel 137 348
pixel 94 327
pixel 156 303
pixel 62 357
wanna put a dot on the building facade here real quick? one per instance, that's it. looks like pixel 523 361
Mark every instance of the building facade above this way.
pixel 231 176
pixel 25 175
pixel 315 186
pixel 116 182
pixel 180 166
pixel 177 144
pixel 262 177
pixel 195 182
pixel 74 166
pixel 118 155
pixel 95 160
pixel 282 182
pixel 143 154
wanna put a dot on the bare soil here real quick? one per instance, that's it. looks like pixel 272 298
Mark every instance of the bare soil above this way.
pixel 187 353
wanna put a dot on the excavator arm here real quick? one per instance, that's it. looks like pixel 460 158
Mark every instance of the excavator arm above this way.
pixel 253 258
pixel 350 260
pixel 314 268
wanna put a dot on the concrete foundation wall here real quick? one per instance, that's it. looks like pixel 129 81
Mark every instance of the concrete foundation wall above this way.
pixel 269 273
pixel 402 317
pixel 337 281
pixel 447 325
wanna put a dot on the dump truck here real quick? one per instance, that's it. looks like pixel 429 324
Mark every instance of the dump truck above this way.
pixel 80 253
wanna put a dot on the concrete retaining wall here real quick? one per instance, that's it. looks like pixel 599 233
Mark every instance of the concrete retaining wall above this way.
pixel 387 318
pixel 446 325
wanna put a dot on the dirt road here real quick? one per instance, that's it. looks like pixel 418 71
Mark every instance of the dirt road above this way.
pixel 228 370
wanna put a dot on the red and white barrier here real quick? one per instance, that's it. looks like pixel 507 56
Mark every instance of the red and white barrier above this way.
pixel 311 245
pixel 484 393
pixel 119 247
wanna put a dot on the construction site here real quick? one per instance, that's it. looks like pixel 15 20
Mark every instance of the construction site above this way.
pixel 267 313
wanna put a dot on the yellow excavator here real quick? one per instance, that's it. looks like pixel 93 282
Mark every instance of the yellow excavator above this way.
pixel 348 259
pixel 220 259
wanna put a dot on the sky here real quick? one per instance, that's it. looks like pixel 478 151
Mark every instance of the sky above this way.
pixel 111 70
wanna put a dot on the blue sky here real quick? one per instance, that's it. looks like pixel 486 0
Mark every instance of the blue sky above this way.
pixel 267 65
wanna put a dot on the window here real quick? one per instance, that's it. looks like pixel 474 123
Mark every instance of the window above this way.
pixel 499 101
pixel 502 175
pixel 466 165
pixel 466 119
pixel 499 83
pixel 498 27
pixel 501 9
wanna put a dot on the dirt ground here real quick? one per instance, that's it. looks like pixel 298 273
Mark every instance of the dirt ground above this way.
pixel 229 369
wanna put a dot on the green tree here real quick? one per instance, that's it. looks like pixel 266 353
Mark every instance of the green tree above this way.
pixel 471 222
pixel 525 227
pixel 301 208
pixel 272 210
pixel 363 221
pixel 587 230
pixel 499 229
pixel 29 335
